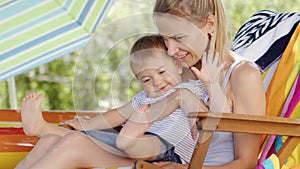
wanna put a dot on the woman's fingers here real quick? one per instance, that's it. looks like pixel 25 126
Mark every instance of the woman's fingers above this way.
pixel 196 72
pixel 170 165
pixel 194 128
pixel 165 165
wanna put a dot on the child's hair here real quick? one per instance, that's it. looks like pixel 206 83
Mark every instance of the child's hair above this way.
pixel 145 47
pixel 197 11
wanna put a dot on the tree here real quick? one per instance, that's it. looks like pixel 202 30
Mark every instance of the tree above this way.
pixel 99 77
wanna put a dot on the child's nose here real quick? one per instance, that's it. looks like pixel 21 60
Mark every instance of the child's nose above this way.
pixel 157 81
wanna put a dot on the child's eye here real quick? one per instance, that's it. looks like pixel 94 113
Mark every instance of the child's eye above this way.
pixel 145 80
pixel 162 71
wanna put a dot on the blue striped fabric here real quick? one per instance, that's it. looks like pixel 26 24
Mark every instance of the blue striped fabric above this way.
pixel 34 32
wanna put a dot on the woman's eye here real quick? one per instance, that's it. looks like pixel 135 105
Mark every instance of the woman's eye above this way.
pixel 178 38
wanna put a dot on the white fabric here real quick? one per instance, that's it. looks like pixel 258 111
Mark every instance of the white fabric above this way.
pixel 264 36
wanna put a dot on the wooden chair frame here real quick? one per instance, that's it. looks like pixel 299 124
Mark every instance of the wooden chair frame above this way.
pixel 209 122
pixel 228 122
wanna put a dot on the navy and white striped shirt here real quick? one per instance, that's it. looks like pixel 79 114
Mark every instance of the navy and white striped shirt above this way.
pixel 175 128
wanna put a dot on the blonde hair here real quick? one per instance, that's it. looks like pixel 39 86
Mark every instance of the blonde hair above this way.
pixel 146 47
pixel 197 11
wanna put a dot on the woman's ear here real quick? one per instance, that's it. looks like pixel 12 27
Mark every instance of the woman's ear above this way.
pixel 210 23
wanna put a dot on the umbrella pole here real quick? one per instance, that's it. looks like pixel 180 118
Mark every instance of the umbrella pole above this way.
pixel 12 93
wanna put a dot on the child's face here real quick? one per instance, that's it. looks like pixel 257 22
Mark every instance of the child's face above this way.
pixel 159 74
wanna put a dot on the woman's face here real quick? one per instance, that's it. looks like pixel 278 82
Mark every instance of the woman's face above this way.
pixel 185 41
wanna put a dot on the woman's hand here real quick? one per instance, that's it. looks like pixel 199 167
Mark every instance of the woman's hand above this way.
pixel 171 165
pixel 190 102
pixel 210 71
pixel 210 76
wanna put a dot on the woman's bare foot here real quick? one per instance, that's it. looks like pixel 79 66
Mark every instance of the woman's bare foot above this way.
pixel 32 118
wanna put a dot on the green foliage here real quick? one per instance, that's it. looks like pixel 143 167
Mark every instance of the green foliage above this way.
pixel 99 78
pixel 4 100
pixel 239 11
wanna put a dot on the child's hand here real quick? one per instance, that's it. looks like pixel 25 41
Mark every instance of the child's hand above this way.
pixel 75 123
pixel 210 71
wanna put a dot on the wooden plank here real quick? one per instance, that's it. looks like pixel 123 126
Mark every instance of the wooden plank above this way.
pixel 17 143
pixel 287 148
pixel 245 124
pixel 10 115
pixel 246 117
pixel 200 150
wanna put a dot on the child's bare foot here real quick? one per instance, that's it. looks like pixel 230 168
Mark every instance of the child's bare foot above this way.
pixel 31 114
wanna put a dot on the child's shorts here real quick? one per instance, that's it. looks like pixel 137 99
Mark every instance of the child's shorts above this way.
pixel 167 150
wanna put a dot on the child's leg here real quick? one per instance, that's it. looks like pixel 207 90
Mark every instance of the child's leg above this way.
pixel 33 121
pixel 77 150
pixel 43 145
pixel 132 140
pixel 137 124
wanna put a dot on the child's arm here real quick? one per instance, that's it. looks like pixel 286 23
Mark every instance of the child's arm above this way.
pixel 107 120
pixel 119 116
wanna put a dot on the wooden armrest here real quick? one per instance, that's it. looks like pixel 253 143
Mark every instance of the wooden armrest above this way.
pixel 242 123
pixel 228 122
pixel 50 116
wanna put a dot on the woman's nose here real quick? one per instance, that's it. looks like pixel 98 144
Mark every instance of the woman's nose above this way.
pixel 172 47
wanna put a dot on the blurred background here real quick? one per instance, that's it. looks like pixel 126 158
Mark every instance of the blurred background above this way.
pixel 98 76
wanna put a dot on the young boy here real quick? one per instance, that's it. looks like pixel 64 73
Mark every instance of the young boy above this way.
pixel 154 136
pixel 159 75
pixel 152 132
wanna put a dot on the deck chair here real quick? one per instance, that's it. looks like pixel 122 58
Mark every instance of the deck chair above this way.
pixel 14 144
pixel 273 125
pixel 281 127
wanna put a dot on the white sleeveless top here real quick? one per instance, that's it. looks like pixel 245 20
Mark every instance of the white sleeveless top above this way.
pixel 221 149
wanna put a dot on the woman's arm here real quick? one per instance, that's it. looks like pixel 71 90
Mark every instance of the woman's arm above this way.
pixel 182 98
pixel 248 97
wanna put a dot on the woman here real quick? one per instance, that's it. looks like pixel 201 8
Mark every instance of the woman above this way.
pixel 190 28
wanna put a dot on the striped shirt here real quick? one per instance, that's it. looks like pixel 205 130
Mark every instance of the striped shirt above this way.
pixel 175 128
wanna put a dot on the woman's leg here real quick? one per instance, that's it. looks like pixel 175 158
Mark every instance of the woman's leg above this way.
pixel 33 121
pixel 43 145
pixel 76 150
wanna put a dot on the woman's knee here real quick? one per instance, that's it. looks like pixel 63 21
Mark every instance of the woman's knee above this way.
pixel 51 138
pixel 74 138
